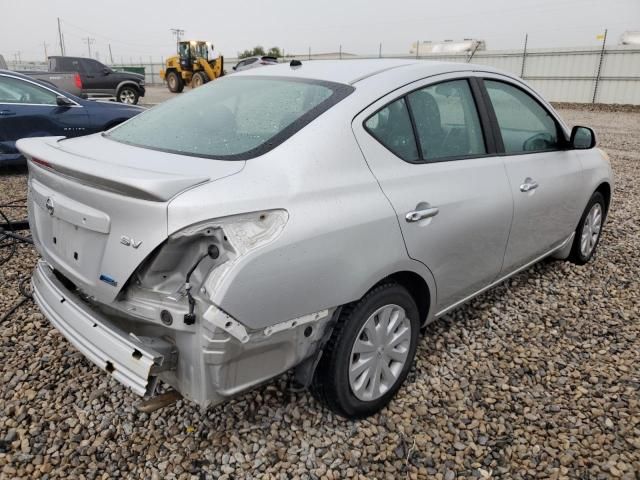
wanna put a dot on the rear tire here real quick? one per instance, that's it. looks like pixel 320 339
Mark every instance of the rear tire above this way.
pixel 175 82
pixel 369 353
pixel 589 230
pixel 199 79
pixel 128 95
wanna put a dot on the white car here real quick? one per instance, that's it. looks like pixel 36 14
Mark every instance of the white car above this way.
pixel 255 62
pixel 309 216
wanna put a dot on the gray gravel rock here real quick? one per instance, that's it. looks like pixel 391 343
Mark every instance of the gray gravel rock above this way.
pixel 537 378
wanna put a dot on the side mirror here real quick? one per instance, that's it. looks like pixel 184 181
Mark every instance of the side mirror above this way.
pixel 106 71
pixel 63 101
pixel 582 138
pixel 235 67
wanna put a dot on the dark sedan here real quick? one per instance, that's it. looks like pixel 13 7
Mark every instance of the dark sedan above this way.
pixel 29 108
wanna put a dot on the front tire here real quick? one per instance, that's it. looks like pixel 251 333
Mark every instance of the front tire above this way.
pixel 589 230
pixel 175 82
pixel 128 95
pixel 369 354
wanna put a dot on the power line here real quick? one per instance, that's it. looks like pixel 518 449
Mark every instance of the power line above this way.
pixel 105 37
pixel 177 32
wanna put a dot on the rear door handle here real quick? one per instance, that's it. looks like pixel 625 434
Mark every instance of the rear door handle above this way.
pixel 417 215
pixel 528 185
pixel 6 113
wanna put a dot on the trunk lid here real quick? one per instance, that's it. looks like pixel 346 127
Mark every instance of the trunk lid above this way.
pixel 98 208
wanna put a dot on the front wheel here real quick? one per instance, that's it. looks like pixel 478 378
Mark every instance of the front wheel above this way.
pixel 175 82
pixel 128 95
pixel 369 354
pixel 589 230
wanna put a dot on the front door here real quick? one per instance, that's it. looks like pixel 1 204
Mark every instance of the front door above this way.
pixel 30 110
pixel 545 178
pixel 448 188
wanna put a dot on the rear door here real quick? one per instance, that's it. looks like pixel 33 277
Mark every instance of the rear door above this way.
pixel 426 145
pixel 28 109
pixel 545 177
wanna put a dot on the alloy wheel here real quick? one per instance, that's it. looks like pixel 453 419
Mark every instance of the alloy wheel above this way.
pixel 127 96
pixel 591 230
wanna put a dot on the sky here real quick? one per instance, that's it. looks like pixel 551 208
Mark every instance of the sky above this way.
pixel 141 29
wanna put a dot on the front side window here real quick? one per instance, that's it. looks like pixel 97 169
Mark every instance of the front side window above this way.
pixel 524 124
pixel 446 120
pixel 391 126
pixel 14 90
pixel 233 118
pixel 91 66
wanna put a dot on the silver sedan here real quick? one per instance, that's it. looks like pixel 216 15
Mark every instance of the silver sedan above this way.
pixel 308 217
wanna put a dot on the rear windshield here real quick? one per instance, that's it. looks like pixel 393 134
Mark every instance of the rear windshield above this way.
pixel 232 118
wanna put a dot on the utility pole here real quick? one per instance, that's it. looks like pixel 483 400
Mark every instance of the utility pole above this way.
pixel 46 55
pixel 89 42
pixel 110 54
pixel 417 49
pixel 60 38
pixel 178 33
pixel 595 87
pixel 340 54
pixel 524 54
pixel 380 51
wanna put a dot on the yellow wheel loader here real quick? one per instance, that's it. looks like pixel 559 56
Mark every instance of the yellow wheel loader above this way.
pixel 191 66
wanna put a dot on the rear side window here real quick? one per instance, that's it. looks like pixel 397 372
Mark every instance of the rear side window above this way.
pixel 524 124
pixel 70 65
pixel 446 120
pixel 233 118
pixel 391 126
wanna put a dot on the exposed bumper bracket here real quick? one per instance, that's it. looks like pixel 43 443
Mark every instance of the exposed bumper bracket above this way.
pixel 133 361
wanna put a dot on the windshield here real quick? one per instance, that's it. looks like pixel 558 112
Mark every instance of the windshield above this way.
pixel 233 118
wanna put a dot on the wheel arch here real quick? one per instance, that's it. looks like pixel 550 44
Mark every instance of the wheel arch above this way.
pixel 417 287
pixel 128 83
pixel 605 189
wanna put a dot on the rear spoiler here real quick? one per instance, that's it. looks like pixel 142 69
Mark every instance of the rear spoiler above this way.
pixel 45 153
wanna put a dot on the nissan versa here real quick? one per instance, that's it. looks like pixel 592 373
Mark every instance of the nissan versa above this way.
pixel 308 216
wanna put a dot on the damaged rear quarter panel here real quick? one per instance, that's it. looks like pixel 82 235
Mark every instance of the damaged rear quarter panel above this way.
pixel 341 238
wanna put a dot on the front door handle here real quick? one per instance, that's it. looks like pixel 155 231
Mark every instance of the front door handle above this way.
pixel 528 185
pixel 421 213
pixel 6 113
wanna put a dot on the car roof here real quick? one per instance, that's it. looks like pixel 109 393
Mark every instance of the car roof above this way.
pixel 15 74
pixel 353 71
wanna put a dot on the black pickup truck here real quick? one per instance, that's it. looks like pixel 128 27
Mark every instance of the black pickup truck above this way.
pixel 100 81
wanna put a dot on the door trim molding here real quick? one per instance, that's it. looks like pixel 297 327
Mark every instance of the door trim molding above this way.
pixel 562 245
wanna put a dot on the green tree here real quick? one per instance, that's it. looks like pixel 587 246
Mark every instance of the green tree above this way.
pixel 274 52
pixel 258 50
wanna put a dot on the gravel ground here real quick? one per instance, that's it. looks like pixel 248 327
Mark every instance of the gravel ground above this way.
pixel 537 378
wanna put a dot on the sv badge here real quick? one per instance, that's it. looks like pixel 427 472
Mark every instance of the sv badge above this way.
pixel 130 242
